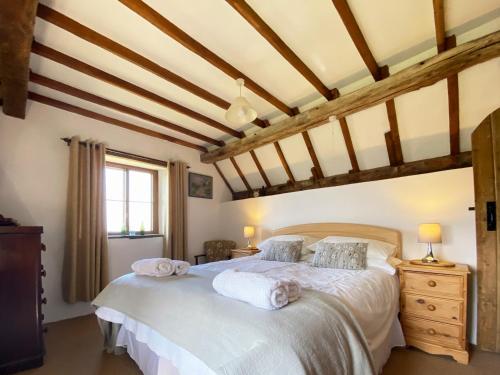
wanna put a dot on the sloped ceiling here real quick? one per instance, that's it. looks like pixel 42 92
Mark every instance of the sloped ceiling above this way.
pixel 398 32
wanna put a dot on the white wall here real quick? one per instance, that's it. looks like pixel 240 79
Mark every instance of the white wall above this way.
pixel 33 181
pixel 124 251
pixel 400 203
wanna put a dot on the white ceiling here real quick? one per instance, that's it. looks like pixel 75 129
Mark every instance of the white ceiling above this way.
pixel 397 31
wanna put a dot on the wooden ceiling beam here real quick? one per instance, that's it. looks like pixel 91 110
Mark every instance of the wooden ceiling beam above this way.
pixel 263 29
pixel 439 25
pixel 259 167
pixel 91 36
pixel 170 29
pixel 419 75
pixel 240 173
pixel 442 163
pixel 284 163
pixel 357 37
pixel 393 141
pixel 310 148
pixel 347 138
pixel 348 144
pixel 93 72
pixel 110 120
pixel 73 91
pixel 453 104
pixel 443 43
pixel 224 178
pixel 17 19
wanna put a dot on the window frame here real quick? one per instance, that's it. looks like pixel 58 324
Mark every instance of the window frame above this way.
pixel 155 212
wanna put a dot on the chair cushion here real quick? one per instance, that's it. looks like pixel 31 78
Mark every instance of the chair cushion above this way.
pixel 217 250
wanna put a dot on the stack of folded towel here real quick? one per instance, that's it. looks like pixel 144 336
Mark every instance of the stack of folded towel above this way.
pixel 160 267
pixel 256 289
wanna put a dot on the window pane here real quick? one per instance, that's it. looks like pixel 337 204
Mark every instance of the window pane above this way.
pixel 140 213
pixel 115 199
pixel 115 184
pixel 140 186
pixel 115 216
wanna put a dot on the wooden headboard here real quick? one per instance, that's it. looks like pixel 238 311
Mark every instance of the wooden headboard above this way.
pixel 321 230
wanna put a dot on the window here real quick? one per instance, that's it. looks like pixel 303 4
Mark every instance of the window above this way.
pixel 131 199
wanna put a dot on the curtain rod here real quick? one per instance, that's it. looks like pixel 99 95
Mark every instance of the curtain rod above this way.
pixel 128 155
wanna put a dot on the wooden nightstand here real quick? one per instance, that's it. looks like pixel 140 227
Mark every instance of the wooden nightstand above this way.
pixel 434 308
pixel 244 252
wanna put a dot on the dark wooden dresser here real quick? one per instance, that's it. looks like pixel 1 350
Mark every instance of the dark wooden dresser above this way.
pixel 21 332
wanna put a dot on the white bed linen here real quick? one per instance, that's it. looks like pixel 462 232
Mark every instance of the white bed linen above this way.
pixel 372 296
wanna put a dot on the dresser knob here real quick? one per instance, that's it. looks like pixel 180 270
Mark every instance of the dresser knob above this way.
pixel 420 300
pixel 44 301
pixel 431 331
pixel 431 307
pixel 43 273
pixel 44 248
pixel 431 283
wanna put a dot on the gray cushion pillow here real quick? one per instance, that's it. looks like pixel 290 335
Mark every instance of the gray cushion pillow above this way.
pixel 346 255
pixel 283 251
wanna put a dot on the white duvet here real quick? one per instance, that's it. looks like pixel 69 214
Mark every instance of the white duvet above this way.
pixel 372 295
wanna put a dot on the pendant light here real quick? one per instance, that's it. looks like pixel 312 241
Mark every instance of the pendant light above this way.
pixel 240 112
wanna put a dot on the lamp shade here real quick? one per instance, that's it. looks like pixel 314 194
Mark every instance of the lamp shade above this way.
pixel 240 112
pixel 248 231
pixel 429 233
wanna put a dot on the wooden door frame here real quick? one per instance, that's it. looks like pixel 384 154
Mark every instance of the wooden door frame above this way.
pixel 486 153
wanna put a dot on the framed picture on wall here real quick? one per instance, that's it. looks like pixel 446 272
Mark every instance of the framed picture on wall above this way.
pixel 200 186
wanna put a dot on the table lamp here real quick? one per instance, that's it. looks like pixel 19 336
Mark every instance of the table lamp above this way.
pixel 248 233
pixel 429 233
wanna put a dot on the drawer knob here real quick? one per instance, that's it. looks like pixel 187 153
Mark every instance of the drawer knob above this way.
pixel 421 301
pixel 44 248
pixel 43 273
pixel 431 283
pixel 44 301
pixel 431 331
pixel 431 307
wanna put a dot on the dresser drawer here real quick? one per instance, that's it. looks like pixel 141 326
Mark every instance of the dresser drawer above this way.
pixel 434 284
pixel 450 311
pixel 448 335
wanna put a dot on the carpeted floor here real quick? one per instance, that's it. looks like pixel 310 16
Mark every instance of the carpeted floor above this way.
pixel 74 347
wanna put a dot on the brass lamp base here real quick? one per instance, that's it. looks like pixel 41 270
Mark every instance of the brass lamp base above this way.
pixel 429 260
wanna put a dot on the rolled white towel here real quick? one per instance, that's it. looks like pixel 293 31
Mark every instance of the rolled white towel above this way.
pixel 181 267
pixel 158 267
pixel 294 290
pixel 253 288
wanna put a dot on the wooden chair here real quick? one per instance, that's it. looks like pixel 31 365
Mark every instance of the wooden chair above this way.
pixel 216 250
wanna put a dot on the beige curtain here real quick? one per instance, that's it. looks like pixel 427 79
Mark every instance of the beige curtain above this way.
pixel 177 211
pixel 86 269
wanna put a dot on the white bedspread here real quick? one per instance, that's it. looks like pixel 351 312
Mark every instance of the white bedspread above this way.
pixel 371 295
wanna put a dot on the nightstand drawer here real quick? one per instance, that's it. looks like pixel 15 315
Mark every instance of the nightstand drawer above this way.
pixel 433 284
pixel 439 333
pixel 432 308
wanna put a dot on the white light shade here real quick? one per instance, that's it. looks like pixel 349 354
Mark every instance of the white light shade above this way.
pixel 429 233
pixel 248 231
pixel 240 112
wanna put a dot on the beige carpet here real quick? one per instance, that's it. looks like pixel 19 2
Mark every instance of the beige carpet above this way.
pixel 74 347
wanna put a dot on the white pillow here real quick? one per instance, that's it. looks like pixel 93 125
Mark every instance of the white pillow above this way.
pixel 306 241
pixel 376 249
pixel 388 265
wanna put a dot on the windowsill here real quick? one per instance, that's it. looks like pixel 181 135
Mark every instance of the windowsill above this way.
pixel 133 237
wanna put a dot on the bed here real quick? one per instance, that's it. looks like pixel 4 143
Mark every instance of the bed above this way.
pixel 346 321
